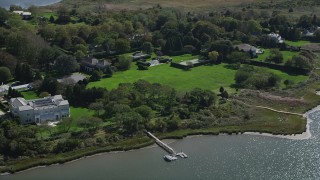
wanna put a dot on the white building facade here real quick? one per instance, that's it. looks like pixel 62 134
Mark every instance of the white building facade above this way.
pixel 52 108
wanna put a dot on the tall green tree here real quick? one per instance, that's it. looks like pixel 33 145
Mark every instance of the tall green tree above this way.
pixel 122 45
pixel 66 64
pixel 147 47
pixel 5 74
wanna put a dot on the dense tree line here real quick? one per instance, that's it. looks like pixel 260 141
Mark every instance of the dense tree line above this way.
pixel 256 78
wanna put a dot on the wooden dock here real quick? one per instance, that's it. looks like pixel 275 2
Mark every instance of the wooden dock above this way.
pixel 162 144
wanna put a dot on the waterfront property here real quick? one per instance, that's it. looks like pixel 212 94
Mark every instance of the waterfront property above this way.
pixel 51 108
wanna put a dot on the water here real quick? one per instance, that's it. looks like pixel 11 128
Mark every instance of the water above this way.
pixel 26 3
pixel 210 157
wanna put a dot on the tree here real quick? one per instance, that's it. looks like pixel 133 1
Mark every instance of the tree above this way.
pixel 237 57
pixel 23 73
pixel 65 124
pixel 122 45
pixel 90 122
pixel 221 89
pixel 4 16
pixel 15 8
pixel 8 61
pixel 124 63
pixel 51 19
pixel 48 32
pixel 63 15
pixel 96 75
pixel 274 80
pixel 317 35
pixel 66 64
pixel 5 74
pixel 213 56
pixel 147 47
pixel 300 62
pixel 145 111
pixel 289 83
pixel 97 107
pixel 225 94
pixel 205 27
pixel 223 47
pixel 38 76
pixel 199 99
pixel 49 85
pixel 275 56
pixel 130 122
pixel 46 57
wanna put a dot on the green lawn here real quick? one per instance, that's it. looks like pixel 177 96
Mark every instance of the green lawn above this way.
pixel 29 95
pixel 77 114
pixel 262 57
pixel 205 77
pixel 286 55
pixel 284 76
pixel 296 43
pixel 49 14
pixel 184 57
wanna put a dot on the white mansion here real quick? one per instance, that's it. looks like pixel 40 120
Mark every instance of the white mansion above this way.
pixel 51 108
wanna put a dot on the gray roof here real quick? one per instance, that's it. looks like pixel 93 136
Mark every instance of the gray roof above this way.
pixel 245 47
pixel 46 102
pixel 25 108
pixel 64 102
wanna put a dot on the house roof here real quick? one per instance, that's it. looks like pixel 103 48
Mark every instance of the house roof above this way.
pixel 17 102
pixel 64 102
pixel 245 47
pixel 25 108
pixel 26 13
pixel 93 62
pixel 46 102
pixel 18 12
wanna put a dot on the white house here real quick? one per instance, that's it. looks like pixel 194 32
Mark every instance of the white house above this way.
pixel 277 37
pixel 23 14
pixel 248 48
pixel 51 108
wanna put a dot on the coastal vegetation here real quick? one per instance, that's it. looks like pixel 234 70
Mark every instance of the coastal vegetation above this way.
pixel 112 108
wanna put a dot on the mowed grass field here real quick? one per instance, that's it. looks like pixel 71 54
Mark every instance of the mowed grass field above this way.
pixel 297 43
pixel 205 77
pixel 286 55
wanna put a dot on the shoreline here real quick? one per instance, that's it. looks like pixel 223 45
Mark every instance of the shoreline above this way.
pixel 29 4
pixel 304 136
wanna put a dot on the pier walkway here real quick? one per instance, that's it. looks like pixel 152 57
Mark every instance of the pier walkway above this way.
pixel 162 144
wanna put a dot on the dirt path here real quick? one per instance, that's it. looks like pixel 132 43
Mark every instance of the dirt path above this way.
pixel 285 112
pixel 268 108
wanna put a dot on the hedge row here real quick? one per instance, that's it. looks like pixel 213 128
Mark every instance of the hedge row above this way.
pixel 279 67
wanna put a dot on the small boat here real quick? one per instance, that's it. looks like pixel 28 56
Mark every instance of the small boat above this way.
pixel 169 158
pixel 182 155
